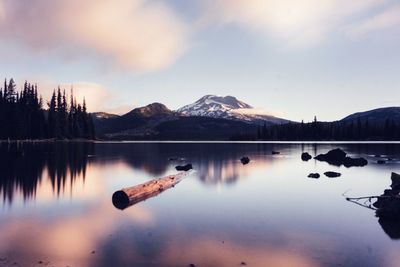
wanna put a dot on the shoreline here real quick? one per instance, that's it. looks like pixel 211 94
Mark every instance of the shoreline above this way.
pixel 190 141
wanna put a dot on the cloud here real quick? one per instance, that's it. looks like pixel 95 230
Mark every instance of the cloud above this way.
pixel 294 23
pixel 141 35
pixel 387 19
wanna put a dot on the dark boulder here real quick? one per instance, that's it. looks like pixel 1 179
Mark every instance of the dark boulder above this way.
pixel 184 167
pixel 395 181
pixel 245 160
pixel 275 152
pixel 332 174
pixel 305 156
pixel 388 207
pixel 391 227
pixel 333 157
pixel 314 175
pixel 354 162
pixel 381 162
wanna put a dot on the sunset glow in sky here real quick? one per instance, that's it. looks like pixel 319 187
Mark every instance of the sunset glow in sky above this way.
pixel 294 58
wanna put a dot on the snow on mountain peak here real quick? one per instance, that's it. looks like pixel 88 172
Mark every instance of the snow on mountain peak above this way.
pixel 227 107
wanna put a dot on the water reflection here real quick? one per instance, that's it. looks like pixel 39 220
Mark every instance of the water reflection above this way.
pixel 22 167
pixel 269 214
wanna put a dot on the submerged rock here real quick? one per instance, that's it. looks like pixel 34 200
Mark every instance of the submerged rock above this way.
pixel 354 162
pixel 305 156
pixel 314 175
pixel 381 162
pixel 184 167
pixel 334 157
pixel 245 160
pixel 275 152
pixel 332 174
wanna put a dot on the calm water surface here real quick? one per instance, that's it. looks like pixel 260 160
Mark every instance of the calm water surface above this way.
pixel 56 207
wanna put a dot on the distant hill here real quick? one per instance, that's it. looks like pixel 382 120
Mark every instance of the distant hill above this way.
pixel 376 116
pixel 227 107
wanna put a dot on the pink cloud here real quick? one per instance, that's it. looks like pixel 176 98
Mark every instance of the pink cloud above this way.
pixel 140 35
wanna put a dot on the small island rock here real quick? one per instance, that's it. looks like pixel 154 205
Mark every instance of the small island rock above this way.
pixel 245 160
pixel 185 168
pixel 332 174
pixel 314 175
pixel 305 156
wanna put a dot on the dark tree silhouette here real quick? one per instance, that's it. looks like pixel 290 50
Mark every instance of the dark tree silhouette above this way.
pixel 22 115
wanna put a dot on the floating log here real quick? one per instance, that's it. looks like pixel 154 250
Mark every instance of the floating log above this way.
pixel 132 195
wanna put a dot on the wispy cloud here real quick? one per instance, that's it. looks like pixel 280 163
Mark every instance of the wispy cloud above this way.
pixel 137 34
pixel 304 23
pixel 389 18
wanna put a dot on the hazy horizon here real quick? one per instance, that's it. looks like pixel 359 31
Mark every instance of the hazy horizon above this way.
pixel 292 59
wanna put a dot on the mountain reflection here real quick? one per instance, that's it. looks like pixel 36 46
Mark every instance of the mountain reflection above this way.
pixel 22 167
pixel 214 164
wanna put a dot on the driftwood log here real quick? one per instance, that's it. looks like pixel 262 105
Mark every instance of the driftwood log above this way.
pixel 127 197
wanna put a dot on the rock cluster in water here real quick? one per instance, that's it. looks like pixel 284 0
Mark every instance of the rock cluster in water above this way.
pixel 338 157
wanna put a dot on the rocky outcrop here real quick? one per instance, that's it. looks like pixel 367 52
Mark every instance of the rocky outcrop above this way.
pixel 333 157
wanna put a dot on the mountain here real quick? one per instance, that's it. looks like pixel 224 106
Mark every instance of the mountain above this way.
pixel 157 122
pixel 376 116
pixel 227 107
pixel 151 110
pixel 139 121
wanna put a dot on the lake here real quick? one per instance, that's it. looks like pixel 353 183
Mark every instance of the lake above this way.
pixel 56 207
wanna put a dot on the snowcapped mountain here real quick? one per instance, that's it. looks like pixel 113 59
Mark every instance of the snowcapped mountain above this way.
pixel 227 107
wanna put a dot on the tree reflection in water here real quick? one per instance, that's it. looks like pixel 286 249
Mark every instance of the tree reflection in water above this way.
pixel 22 166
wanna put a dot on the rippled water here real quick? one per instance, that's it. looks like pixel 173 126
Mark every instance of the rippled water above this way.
pixel 56 207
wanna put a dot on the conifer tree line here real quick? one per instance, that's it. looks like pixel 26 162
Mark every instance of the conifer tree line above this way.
pixel 355 130
pixel 23 115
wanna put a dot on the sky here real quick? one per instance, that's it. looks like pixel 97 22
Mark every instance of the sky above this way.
pixel 290 58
